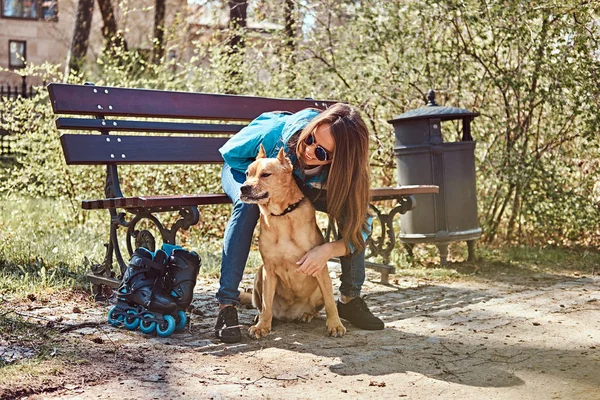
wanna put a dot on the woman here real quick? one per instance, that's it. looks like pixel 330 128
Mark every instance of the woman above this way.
pixel 329 151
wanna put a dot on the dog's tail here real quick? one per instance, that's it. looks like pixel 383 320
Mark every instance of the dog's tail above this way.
pixel 257 292
pixel 246 297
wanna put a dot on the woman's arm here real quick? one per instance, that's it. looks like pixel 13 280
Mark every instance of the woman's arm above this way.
pixel 316 259
pixel 242 148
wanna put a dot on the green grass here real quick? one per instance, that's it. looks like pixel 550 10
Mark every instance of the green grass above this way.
pixel 502 263
pixel 43 244
pixel 48 245
pixel 538 262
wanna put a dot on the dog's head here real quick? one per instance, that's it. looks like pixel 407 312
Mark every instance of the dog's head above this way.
pixel 267 178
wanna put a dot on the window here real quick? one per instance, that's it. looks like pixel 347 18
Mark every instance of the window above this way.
pixel 30 9
pixel 20 9
pixel 50 10
pixel 17 53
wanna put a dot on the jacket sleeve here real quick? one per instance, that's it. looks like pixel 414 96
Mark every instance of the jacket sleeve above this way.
pixel 239 151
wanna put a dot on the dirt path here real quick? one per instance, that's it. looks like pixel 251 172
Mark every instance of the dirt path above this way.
pixel 538 338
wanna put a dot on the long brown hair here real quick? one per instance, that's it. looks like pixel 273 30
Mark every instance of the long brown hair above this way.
pixel 349 178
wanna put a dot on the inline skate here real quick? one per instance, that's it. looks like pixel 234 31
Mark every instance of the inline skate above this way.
pixel 141 299
pixel 182 270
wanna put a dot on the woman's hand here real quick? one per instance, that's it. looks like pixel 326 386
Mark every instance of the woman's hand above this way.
pixel 313 262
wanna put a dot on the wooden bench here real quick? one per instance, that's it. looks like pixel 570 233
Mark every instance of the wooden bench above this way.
pixel 109 120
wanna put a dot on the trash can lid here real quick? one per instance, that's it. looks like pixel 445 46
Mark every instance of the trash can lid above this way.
pixel 433 110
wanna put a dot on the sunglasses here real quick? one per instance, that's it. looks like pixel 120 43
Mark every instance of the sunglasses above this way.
pixel 320 152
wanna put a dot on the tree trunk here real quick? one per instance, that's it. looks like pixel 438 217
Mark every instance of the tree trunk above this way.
pixel 237 22
pixel 495 225
pixel 516 210
pixel 238 12
pixel 290 25
pixel 287 54
pixel 109 29
pixel 158 49
pixel 81 35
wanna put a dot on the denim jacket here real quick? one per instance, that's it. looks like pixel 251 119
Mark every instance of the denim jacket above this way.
pixel 273 130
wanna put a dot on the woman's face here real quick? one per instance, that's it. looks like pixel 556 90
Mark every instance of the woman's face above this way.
pixel 318 144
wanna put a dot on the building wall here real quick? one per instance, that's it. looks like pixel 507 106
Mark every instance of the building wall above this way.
pixel 49 40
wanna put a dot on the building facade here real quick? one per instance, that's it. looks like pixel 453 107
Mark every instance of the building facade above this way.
pixel 38 31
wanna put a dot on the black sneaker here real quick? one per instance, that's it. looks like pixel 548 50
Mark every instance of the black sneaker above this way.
pixel 224 328
pixel 357 313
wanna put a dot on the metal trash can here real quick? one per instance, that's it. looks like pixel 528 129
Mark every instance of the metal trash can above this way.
pixel 423 158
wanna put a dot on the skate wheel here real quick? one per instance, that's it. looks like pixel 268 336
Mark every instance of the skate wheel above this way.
pixel 147 326
pixel 115 320
pixel 131 321
pixel 166 328
pixel 182 320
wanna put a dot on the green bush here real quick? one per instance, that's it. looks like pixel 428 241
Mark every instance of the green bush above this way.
pixel 529 71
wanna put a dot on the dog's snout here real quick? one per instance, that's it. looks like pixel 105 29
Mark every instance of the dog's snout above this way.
pixel 246 189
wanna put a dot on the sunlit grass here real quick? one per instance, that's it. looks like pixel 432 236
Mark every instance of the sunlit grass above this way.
pixel 48 245
pixel 43 244
pixel 536 261
pixel 502 262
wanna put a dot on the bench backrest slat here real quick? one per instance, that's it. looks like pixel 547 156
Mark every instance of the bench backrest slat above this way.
pixel 110 101
pixel 80 149
pixel 96 124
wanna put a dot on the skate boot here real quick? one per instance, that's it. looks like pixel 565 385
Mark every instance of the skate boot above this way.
pixel 141 298
pixel 182 270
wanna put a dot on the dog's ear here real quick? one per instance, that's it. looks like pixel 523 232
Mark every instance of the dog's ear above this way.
pixel 281 156
pixel 283 159
pixel 261 152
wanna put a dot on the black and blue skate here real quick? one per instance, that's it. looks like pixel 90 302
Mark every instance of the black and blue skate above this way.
pixel 182 271
pixel 141 298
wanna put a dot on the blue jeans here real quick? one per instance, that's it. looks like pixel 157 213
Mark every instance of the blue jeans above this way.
pixel 238 239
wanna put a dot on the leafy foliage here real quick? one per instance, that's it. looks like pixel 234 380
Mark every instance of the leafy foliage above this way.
pixel 528 68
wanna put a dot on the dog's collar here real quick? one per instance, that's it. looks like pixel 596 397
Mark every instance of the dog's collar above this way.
pixel 289 208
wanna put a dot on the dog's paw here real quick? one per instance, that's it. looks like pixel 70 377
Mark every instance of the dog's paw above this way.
pixel 257 332
pixel 306 317
pixel 336 330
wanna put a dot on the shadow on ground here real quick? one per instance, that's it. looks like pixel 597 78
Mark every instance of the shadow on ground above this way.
pixel 466 344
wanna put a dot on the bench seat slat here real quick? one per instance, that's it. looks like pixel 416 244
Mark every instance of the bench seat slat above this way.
pixel 221 198
pixel 112 149
pixel 103 100
pixel 386 193
pixel 156 201
pixel 95 124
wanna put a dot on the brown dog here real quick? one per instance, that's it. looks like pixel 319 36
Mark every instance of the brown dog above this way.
pixel 288 230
